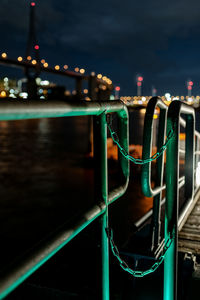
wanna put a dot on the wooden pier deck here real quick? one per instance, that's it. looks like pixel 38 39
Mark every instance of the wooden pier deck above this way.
pixel 189 234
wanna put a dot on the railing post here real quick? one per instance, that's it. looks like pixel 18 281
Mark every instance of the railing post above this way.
pixel 101 193
pixel 172 189
pixel 171 212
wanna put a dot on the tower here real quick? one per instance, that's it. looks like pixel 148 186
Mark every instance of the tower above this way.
pixel 32 52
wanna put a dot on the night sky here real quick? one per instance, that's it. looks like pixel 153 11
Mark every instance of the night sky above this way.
pixel 159 40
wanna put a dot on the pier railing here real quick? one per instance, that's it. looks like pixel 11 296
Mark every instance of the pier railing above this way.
pixel 16 110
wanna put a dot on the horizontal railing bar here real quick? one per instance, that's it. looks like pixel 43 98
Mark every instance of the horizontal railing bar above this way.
pixel 14 110
pixel 146 216
pixel 17 273
pixel 18 110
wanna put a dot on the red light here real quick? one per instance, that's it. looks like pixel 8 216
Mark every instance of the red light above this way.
pixel 117 88
pixel 189 87
pixel 36 47
pixel 32 3
pixel 190 83
pixel 140 78
pixel 139 83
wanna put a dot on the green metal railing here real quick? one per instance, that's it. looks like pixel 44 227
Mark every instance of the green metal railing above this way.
pixel 14 110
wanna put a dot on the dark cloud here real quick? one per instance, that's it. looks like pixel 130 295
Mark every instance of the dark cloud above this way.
pixel 119 38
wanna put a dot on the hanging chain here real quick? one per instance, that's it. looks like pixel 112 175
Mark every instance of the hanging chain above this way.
pixel 126 267
pixel 138 161
pixel 109 231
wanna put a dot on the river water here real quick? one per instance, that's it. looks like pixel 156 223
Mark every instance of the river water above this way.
pixel 46 177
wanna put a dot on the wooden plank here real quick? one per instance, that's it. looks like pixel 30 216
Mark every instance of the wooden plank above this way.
pixel 189 236
pixel 193 220
pixel 189 246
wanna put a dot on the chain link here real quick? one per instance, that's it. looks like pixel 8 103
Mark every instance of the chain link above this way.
pixel 109 231
pixel 126 267
pixel 138 161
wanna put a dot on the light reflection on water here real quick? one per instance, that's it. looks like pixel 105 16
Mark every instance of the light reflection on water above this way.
pixel 45 179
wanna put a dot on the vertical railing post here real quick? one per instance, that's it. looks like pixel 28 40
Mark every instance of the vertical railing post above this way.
pixel 101 192
pixel 172 189
pixel 171 212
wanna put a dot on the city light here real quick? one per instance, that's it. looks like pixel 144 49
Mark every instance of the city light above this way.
pixel 29 57
pixel 57 67
pixel 45 65
pixel 36 47
pixel 32 3
pixel 3 94
pixel 99 76
pixel 4 55
pixel 19 58
pixel 65 67
pixel 76 69
pixel 34 62
pixel 82 71
pixel 43 61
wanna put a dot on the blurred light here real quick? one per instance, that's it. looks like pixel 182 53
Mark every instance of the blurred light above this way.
pixel 155 116
pixel 92 73
pixel 19 58
pixel 36 47
pixel 11 91
pixel 76 69
pixel 34 62
pixel 32 3
pixel 190 99
pixel 104 78
pixel 4 55
pixel 12 95
pixel 143 98
pixel 140 78
pixel 65 67
pixel 85 91
pixel 117 88
pixel 190 83
pixel 139 83
pixel 99 76
pixel 44 82
pixel 82 71
pixel 43 61
pixel 29 57
pixel 38 80
pixel 57 67
pixel 3 94
pixel 168 96
pixel 23 95
pixel 5 79
pixel 189 87
pixel 45 65
pixel 112 97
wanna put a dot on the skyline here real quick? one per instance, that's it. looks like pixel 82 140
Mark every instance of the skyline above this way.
pixel 114 39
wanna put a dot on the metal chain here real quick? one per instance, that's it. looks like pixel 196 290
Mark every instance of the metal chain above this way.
pixel 138 161
pixel 126 267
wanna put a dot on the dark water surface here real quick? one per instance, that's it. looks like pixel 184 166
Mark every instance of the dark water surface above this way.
pixel 46 179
